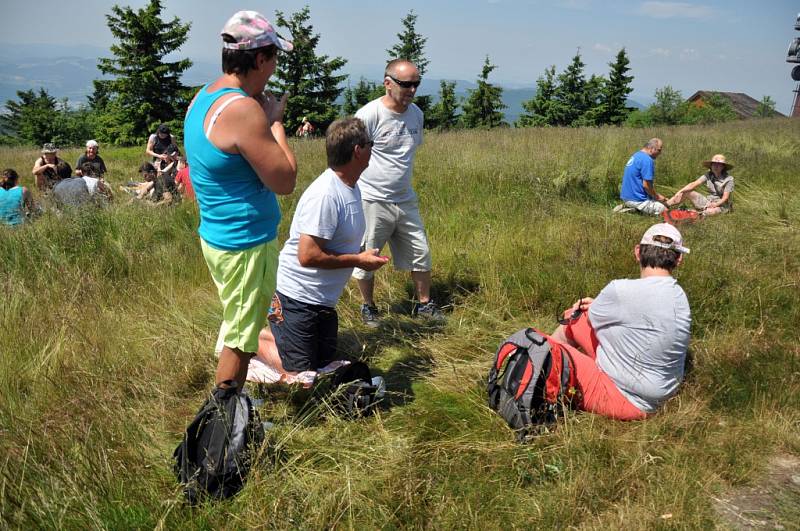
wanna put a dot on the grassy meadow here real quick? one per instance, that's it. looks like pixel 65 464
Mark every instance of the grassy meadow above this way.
pixel 109 319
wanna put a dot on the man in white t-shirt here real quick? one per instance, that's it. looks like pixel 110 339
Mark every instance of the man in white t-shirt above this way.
pixel 391 208
pixel 324 246
pixel 633 337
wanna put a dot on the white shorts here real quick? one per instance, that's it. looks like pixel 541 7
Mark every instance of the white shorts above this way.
pixel 648 206
pixel 400 225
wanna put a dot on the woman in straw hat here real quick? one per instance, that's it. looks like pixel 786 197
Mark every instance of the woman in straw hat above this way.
pixel 719 184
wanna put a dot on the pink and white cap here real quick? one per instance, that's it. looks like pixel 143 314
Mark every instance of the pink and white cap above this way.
pixel 251 30
pixel 668 231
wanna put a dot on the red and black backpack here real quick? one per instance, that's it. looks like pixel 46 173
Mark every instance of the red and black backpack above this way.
pixel 530 382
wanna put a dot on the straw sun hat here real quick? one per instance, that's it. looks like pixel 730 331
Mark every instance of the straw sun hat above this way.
pixel 718 158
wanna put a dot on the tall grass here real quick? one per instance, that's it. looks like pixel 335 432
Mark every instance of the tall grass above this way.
pixel 109 319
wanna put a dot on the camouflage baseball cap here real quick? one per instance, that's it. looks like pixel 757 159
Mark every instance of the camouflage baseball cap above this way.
pixel 251 30
pixel 49 148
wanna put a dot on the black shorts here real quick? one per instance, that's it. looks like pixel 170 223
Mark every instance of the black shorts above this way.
pixel 305 334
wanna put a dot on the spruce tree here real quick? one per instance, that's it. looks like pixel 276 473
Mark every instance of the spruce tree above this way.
pixel 570 97
pixel 31 120
pixel 594 106
pixel 144 90
pixel 615 94
pixel 362 93
pixel 309 79
pixel 483 107
pixel 444 114
pixel 411 45
pixel 538 111
pixel 412 48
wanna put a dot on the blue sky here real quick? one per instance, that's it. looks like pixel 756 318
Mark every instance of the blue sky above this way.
pixel 736 45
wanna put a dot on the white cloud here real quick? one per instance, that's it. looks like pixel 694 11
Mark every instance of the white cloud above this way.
pixel 663 52
pixel 689 54
pixel 600 47
pixel 674 10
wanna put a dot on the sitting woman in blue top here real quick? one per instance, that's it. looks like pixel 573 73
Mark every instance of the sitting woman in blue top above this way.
pixel 719 184
pixel 237 149
pixel 16 202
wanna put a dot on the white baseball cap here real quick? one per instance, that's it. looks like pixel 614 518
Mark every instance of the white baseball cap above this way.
pixel 668 231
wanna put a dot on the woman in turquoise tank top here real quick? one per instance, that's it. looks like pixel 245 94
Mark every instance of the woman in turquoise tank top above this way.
pixel 240 160
pixel 15 201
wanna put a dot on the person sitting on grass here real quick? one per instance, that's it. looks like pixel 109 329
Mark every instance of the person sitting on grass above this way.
pixel 98 189
pixel 44 169
pixel 143 189
pixel 317 260
pixel 16 202
pixel 70 191
pixel 718 182
pixel 183 180
pixel 91 157
pixel 633 337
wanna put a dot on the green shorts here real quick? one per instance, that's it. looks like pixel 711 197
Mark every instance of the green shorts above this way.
pixel 245 281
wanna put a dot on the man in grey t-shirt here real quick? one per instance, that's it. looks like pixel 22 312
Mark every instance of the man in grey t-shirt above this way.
pixel 633 337
pixel 319 256
pixel 391 208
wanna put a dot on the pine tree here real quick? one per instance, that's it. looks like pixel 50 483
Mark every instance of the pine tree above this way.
pixel 594 106
pixel 483 106
pixel 308 78
pixel 145 90
pixel 766 107
pixel 412 48
pixel 411 45
pixel 444 114
pixel 31 120
pixel 538 111
pixel 359 95
pixel 615 94
pixel 38 118
pixel 570 96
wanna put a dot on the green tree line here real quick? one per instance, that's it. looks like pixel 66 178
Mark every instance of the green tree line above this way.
pixel 141 89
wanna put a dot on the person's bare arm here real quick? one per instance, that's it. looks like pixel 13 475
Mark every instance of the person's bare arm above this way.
pixel 255 130
pixel 650 189
pixel 149 150
pixel 27 201
pixel 310 253
pixel 721 201
pixel 38 172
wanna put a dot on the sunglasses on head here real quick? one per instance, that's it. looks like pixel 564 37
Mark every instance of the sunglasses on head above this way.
pixel 405 84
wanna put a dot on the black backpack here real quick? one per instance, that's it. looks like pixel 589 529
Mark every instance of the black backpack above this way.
pixel 350 390
pixel 530 382
pixel 218 448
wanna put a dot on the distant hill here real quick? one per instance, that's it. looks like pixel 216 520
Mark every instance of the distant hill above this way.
pixel 71 76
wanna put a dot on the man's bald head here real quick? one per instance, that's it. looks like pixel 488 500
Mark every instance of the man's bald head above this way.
pixel 397 67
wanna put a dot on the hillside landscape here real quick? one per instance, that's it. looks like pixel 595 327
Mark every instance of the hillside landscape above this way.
pixel 110 318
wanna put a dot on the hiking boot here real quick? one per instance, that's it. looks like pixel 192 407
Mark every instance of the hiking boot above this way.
pixel 429 311
pixel 370 316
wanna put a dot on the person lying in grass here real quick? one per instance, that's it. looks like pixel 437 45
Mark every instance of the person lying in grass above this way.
pixel 719 183
pixel 628 345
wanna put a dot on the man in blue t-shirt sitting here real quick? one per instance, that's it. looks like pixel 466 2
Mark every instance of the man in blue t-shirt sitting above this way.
pixel 638 189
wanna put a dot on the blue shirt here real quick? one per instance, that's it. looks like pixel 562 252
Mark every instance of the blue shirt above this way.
pixel 640 167
pixel 11 206
pixel 237 211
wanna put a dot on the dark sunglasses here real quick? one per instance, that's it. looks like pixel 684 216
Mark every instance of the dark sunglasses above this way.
pixel 576 313
pixel 405 84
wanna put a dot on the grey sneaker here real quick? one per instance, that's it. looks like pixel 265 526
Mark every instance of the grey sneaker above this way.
pixel 370 315
pixel 429 311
